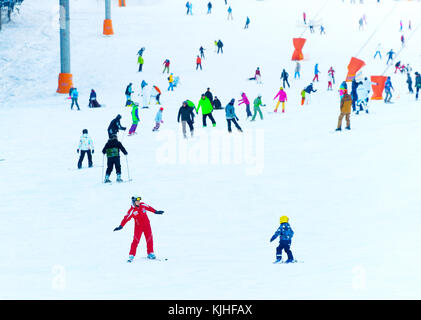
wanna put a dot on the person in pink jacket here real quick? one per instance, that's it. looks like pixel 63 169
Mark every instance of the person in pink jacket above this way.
pixel 246 101
pixel 282 97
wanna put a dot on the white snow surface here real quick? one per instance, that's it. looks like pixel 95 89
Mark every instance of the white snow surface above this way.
pixel 353 198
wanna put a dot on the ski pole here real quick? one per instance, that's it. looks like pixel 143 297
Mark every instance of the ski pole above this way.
pixel 128 172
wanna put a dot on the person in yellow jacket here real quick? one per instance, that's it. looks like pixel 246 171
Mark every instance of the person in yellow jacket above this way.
pixel 171 82
pixel 346 104
pixel 140 62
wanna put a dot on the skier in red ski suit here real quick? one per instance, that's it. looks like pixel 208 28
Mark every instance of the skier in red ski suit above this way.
pixel 142 225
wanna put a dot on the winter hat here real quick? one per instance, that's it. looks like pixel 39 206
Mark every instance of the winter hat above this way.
pixel 282 88
pixel 232 101
pixel 283 219
pixel 161 109
pixel 118 116
pixel 85 131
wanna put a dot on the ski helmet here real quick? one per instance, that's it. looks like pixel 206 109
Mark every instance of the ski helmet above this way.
pixel 134 199
pixel 85 131
pixel 283 219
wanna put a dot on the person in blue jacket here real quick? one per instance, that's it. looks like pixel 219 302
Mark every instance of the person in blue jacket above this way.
pixel 387 87
pixel 247 23
pixel 74 96
pixel 285 235
pixel 209 7
pixel 231 116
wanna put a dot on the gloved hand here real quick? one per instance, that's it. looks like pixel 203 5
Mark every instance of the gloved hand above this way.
pixel 93 150
pixel 118 228
pixel 159 212
pixel 77 150
pixel 238 119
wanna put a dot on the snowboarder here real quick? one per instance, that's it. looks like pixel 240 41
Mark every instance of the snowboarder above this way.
pixel 115 126
pixel 216 103
pixel 207 109
pixel 166 64
pixel 231 116
pixel 135 118
pixel 158 119
pixel 245 100
pixel 140 61
pixel 74 96
pixel 387 87
pixel 187 117
pixel 345 107
pixel 142 225
pixel 316 72
pixel 417 84
pixel 247 23
pixel 285 235
pixel 112 149
pixel 297 70
pixel 282 97
pixel 284 78
pixel 86 146
pixel 198 63
pixel 257 103
pixel 93 103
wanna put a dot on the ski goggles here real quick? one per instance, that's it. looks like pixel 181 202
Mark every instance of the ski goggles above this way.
pixel 136 198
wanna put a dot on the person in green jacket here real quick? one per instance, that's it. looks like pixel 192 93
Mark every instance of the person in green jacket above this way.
pixel 207 109
pixel 135 118
pixel 257 103
pixel 140 62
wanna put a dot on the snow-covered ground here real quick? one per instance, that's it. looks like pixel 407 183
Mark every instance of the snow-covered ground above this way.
pixel 353 198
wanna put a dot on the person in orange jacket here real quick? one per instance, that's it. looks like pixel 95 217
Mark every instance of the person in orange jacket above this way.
pixel 198 63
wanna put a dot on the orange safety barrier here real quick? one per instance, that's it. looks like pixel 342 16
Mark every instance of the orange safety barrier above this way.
pixel 378 87
pixel 108 27
pixel 354 66
pixel 65 82
pixel 298 45
pixel 122 3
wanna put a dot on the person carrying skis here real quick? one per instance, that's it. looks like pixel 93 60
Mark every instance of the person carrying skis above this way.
pixel 285 234
pixel 417 84
pixel 112 150
pixel 135 118
pixel 345 107
pixel 86 146
pixel 140 61
pixel 198 63
pixel 257 103
pixel 231 116
pixel 316 72
pixel 187 117
pixel 74 96
pixel 282 97
pixel 387 87
pixel 246 101
pixel 158 119
pixel 166 64
pixel 207 109
pixel 284 78
pixel 142 225
pixel 115 126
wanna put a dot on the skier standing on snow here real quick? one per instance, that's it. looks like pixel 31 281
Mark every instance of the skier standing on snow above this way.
pixel 409 82
pixel 202 53
pixel 304 18
pixel 209 7
pixel 230 13
pixel 345 107
pixel 187 117
pixel 257 103
pixel 284 78
pixel 158 119
pixel 231 116
pixel 331 72
pixel 285 235
pixel 74 96
pixel 282 97
pixel 316 72
pixel 219 44
pixel 141 225
pixel 135 118
pixel 387 87
pixel 140 61
pixel 198 63
pixel 86 146
pixel 297 70
pixel 246 101
pixel 247 23
pixel 112 149
pixel 129 91
pixel 166 64
pixel 171 82
pixel 207 109
pixel 417 84
pixel 115 126
pixel 303 96
pixel 390 55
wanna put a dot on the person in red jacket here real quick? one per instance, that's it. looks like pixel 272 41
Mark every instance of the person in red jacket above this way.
pixel 142 225
pixel 198 63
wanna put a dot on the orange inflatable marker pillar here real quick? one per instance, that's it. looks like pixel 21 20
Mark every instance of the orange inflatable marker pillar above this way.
pixel 121 3
pixel 108 27
pixel 298 45
pixel 354 66
pixel 65 82
pixel 378 87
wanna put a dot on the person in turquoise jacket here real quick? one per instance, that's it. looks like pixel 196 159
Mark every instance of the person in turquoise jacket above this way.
pixel 207 109
pixel 231 116
pixel 257 103
pixel 74 96
pixel 158 119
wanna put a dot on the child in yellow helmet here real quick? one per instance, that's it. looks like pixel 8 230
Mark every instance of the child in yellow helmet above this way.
pixel 285 234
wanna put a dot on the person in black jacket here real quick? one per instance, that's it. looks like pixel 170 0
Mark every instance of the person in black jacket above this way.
pixel 216 103
pixel 115 126
pixel 209 95
pixel 187 117
pixel 93 103
pixel 112 149
pixel 284 78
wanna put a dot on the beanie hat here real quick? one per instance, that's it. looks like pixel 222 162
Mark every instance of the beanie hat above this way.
pixel 85 131
pixel 283 219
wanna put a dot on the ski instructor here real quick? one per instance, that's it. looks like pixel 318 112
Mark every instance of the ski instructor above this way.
pixel 142 225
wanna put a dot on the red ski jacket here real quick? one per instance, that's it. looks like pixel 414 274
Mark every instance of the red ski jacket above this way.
pixel 139 215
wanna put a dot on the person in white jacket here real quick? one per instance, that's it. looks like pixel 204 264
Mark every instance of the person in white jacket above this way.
pixel 363 93
pixel 86 146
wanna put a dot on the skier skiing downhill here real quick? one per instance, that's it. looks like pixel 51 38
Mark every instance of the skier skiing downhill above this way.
pixel 112 149
pixel 135 118
pixel 282 97
pixel 285 235
pixel 142 225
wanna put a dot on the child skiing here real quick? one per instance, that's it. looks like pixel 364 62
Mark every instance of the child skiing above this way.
pixel 285 235
pixel 158 119
pixel 86 145
pixel 141 225
pixel 112 149
pixel 282 97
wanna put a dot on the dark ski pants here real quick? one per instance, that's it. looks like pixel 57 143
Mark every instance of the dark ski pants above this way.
pixel 220 49
pixel 73 102
pixel 210 117
pixel 199 65
pixel 283 83
pixel 140 67
pixel 113 162
pixel 248 111
pixel 284 245
pixel 235 123
pixel 82 156
pixel 416 95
